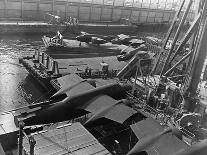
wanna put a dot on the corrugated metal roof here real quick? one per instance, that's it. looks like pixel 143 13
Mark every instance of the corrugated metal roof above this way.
pixel 71 139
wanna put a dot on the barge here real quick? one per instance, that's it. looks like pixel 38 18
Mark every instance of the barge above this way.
pixel 67 49
pixel 45 70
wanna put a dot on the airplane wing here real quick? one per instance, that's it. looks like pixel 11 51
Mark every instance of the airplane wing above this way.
pixel 125 111
pixel 146 127
pixel 69 79
pixel 105 106
pixel 72 84
pixel 166 144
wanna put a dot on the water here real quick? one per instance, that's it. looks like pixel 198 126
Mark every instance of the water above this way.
pixel 17 88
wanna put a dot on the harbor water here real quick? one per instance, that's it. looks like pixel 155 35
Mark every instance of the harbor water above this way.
pixel 17 87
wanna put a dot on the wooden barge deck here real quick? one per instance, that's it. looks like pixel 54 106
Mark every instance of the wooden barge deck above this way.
pixel 46 69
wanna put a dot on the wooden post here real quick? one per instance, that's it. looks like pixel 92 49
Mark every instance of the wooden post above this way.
pixel 56 68
pixel 35 55
pixel 32 143
pixel 48 62
pixel 20 141
pixel 53 66
pixel 43 56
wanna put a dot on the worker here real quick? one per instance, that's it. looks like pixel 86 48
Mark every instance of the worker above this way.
pixel 89 71
pixel 86 70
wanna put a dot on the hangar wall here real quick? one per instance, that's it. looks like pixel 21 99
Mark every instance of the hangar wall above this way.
pixel 140 11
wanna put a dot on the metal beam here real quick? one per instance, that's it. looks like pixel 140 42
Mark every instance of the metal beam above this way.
pixel 167 37
pixel 178 63
pixel 176 37
pixel 194 46
pixel 200 57
pixel 186 37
